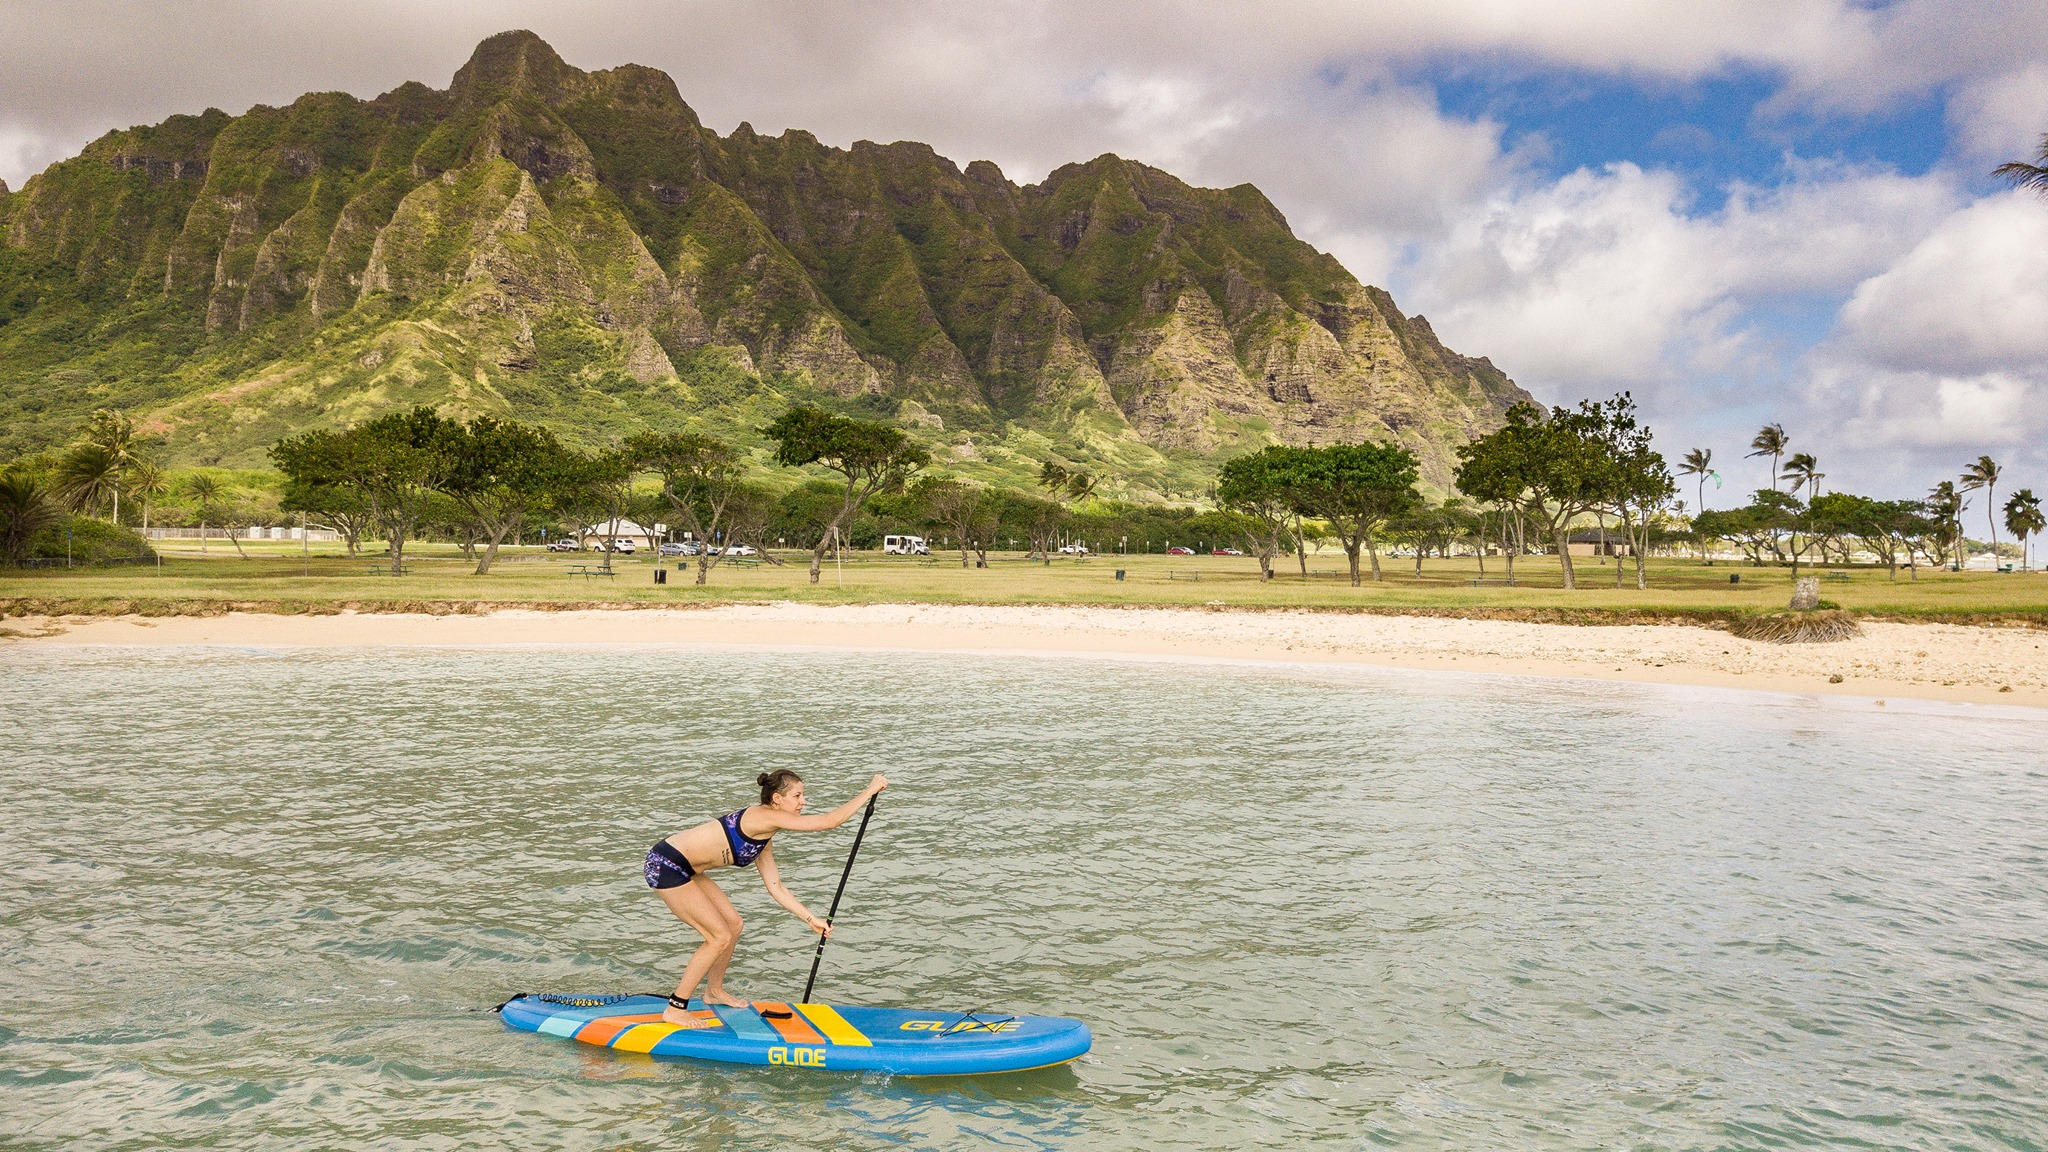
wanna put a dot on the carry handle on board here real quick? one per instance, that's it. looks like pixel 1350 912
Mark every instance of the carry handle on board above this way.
pixel 819 956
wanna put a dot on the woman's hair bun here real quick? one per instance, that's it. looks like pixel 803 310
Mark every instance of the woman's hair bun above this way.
pixel 775 783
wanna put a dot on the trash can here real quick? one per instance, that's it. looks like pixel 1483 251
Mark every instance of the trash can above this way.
pixel 1735 577
pixel 660 574
pixel 1119 573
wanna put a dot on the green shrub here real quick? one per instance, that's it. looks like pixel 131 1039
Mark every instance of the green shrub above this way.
pixel 91 542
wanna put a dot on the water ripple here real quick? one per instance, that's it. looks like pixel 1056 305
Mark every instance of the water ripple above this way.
pixel 256 898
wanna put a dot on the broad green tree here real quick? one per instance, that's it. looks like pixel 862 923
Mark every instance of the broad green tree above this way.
pixel 968 512
pixel 1561 463
pixel 1639 485
pixel 500 473
pixel 868 457
pixel 1495 470
pixel 699 476
pixel 395 464
pixel 1260 488
pixel 1356 489
pixel 340 507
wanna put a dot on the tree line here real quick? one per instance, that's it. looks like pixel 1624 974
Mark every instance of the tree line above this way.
pixel 1524 487
pixel 1788 524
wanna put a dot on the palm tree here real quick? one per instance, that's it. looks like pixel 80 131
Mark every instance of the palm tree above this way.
pixel 88 477
pixel 210 495
pixel 26 508
pixel 1771 441
pixel 1946 505
pixel 2025 175
pixel 1699 462
pixel 1984 474
pixel 147 481
pixel 1802 469
pixel 113 434
pixel 2023 519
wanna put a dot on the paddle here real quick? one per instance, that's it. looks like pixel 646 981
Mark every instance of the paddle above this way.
pixel 819 956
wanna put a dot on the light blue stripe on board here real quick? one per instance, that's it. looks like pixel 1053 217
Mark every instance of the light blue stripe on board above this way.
pixel 747 1024
pixel 563 1026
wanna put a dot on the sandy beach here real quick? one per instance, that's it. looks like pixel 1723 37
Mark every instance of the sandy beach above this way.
pixel 1951 663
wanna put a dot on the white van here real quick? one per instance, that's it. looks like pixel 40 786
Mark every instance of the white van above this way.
pixel 905 546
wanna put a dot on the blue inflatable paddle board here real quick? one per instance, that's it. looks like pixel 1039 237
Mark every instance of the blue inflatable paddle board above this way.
pixel 832 1037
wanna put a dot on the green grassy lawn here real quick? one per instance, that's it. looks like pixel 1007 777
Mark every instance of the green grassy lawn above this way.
pixel 276 577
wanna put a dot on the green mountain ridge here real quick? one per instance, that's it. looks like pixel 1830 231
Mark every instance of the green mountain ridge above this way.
pixel 576 248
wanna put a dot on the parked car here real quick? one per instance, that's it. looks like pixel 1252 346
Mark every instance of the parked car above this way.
pixel 905 546
pixel 742 550
pixel 1177 550
pixel 1225 552
pixel 622 547
pixel 561 546
pixel 1075 550
pixel 683 549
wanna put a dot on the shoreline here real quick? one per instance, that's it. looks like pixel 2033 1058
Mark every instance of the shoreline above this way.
pixel 1962 664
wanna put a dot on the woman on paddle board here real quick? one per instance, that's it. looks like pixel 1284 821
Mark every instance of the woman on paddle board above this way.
pixel 676 869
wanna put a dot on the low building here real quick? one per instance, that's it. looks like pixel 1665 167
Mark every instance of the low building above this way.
pixel 1594 542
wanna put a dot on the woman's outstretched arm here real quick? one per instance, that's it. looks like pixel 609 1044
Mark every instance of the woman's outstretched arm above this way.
pixel 828 820
pixel 771 878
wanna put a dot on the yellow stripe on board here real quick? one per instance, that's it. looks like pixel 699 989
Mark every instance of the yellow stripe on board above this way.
pixel 643 1037
pixel 833 1025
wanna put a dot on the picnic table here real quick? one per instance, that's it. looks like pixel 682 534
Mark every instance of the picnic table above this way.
pixel 1179 574
pixel 1480 581
pixel 384 569
pixel 590 570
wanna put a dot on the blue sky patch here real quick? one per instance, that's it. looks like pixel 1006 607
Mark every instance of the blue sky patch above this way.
pixel 1709 132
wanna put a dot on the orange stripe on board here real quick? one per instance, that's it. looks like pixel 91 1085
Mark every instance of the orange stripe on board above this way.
pixel 793 1027
pixel 602 1029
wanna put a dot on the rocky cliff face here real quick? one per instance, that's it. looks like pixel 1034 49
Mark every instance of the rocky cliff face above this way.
pixel 575 247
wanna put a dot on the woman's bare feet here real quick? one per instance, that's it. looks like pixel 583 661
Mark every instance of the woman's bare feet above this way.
pixel 674 1015
pixel 724 998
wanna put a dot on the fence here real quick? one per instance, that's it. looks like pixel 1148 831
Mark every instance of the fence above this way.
pixel 313 534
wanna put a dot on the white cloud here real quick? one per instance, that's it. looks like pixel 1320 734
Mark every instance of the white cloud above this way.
pixel 1969 298
pixel 2003 117
pixel 1944 354
pixel 1609 278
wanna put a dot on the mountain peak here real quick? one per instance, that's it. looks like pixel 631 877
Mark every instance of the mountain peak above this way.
pixel 511 63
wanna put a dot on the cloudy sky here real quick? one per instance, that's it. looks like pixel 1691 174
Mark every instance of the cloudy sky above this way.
pixel 1742 210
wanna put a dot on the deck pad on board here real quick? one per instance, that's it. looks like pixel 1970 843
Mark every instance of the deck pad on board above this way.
pixel 823 1036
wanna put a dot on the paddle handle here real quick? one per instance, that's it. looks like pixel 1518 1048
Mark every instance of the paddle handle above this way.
pixel 818 957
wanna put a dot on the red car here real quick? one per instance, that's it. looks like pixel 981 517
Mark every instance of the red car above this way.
pixel 1225 552
pixel 1177 550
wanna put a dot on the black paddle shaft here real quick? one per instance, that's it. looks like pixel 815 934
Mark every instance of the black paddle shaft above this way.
pixel 819 957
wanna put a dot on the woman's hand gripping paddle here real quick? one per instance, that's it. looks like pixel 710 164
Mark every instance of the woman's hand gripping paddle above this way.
pixel 819 957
